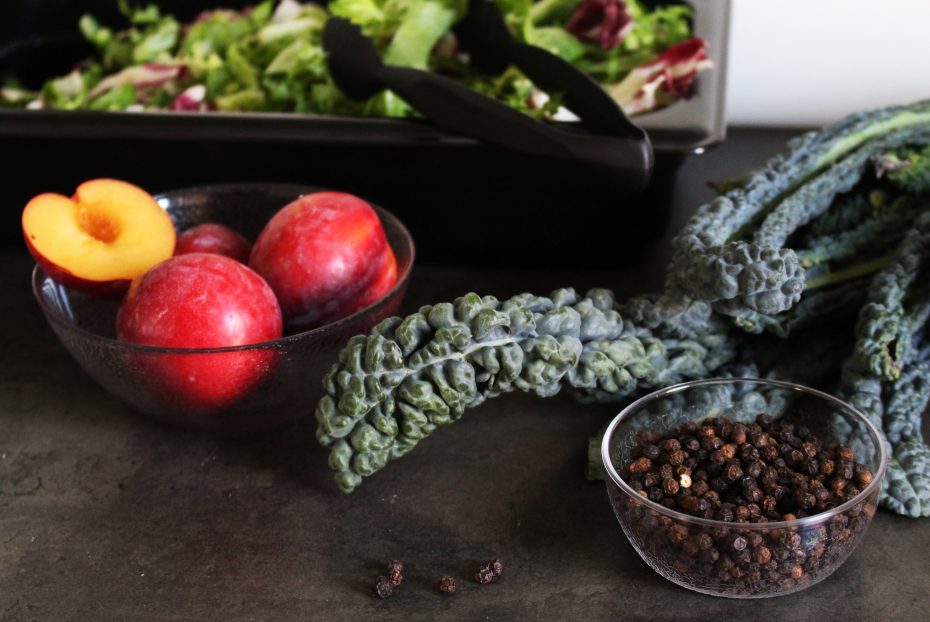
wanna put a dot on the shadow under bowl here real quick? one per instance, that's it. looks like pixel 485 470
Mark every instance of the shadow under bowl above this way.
pixel 285 374
pixel 742 559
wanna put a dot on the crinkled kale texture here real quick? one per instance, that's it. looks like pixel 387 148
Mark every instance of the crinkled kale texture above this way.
pixel 821 250
pixel 393 387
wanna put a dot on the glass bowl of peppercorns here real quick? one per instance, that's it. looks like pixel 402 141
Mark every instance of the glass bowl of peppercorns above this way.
pixel 743 488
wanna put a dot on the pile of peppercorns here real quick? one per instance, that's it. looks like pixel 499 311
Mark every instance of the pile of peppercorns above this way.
pixel 744 473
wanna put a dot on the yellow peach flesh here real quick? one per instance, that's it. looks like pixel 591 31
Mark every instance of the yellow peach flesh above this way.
pixel 109 231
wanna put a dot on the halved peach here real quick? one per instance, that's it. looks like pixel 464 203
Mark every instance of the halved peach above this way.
pixel 99 240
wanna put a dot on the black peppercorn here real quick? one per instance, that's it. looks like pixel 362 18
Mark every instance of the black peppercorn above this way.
pixel 768 503
pixel 484 575
pixel 752 493
pixel 739 474
pixel 395 569
pixel 762 555
pixel 738 434
pixel 728 451
pixel 805 500
pixel 678 533
pixel 652 452
pixel 743 558
pixel 844 469
pixel 690 505
pixel 733 472
pixel 670 444
pixel 698 487
pixel 769 453
pixel 447 585
pixel 641 465
pixel 712 497
pixel 812 467
pixel 738 543
pixel 863 476
pixel 791 540
pixel 384 588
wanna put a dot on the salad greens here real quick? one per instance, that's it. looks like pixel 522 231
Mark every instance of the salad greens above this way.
pixel 269 57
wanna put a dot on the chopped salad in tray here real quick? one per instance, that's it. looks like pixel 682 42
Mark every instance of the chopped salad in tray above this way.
pixel 269 57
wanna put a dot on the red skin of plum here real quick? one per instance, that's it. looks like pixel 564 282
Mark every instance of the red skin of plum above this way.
pixel 211 237
pixel 201 300
pixel 325 256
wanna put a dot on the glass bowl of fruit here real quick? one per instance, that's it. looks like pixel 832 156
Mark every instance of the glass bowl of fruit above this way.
pixel 743 488
pixel 226 318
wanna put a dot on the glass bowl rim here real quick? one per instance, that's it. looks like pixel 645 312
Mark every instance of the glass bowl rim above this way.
pixel 877 436
pixel 280 342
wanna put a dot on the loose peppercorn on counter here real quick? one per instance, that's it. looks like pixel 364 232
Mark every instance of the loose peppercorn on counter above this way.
pixel 108 516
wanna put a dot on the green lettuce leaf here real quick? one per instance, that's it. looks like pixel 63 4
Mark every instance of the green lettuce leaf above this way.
pixel 115 99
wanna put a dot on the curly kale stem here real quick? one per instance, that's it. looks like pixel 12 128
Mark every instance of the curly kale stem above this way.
pixel 852 272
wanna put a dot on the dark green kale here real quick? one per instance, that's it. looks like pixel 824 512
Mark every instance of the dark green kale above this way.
pixel 737 302
pixel 395 386
pixel 879 376
pixel 846 212
pixel 883 228
pixel 731 252
pixel 814 307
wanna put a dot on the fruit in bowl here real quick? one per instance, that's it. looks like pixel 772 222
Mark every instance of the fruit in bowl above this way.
pixel 325 256
pixel 211 237
pixel 202 300
pixel 98 240
pixel 197 340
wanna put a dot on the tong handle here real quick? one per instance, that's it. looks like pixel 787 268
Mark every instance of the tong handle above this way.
pixel 457 108
pixel 357 69
pixel 586 98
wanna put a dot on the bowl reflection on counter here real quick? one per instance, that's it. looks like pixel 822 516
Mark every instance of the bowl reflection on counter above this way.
pixel 290 368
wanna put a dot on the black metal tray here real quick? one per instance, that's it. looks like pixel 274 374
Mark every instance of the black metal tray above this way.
pixel 432 179
pixel 685 126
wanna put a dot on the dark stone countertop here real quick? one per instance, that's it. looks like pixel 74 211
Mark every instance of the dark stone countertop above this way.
pixel 105 515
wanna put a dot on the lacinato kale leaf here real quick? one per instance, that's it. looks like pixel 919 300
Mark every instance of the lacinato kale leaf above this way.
pixel 737 302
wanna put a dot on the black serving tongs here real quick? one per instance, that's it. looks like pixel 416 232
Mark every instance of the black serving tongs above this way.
pixel 613 142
